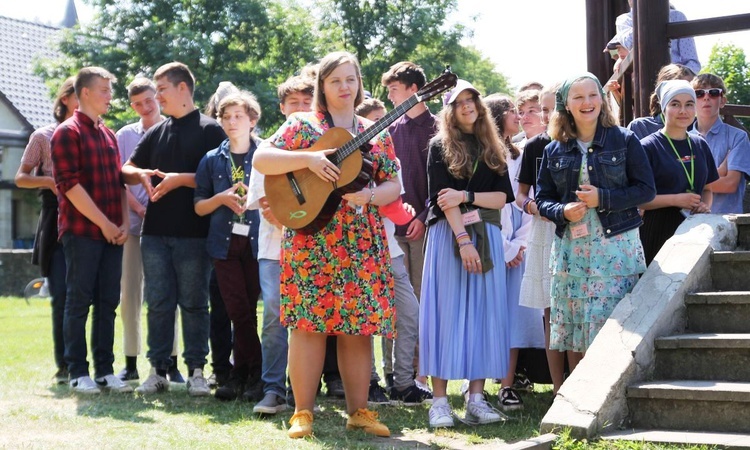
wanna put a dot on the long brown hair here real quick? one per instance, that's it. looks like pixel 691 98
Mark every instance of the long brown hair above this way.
pixel 499 105
pixel 456 148
pixel 60 110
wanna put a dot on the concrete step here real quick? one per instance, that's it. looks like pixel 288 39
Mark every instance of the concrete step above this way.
pixel 734 441
pixel 743 231
pixel 718 312
pixel 703 356
pixel 729 271
pixel 695 405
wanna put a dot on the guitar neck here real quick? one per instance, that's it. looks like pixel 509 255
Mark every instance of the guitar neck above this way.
pixel 359 140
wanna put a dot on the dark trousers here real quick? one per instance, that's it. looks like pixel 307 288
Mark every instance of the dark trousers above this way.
pixel 220 336
pixel 240 288
pixel 58 293
pixel 94 268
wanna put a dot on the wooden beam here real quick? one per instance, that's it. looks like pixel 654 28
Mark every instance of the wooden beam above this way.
pixel 650 18
pixel 713 25
pixel 736 110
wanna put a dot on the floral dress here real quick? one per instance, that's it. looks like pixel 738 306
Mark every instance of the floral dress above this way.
pixel 590 275
pixel 338 280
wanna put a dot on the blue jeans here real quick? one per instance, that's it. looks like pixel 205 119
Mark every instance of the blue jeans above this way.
pixel 175 273
pixel 93 279
pixel 58 294
pixel 274 338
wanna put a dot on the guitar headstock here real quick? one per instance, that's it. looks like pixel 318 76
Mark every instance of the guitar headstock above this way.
pixel 439 85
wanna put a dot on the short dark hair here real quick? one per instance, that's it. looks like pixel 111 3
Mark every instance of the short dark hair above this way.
pixel 176 72
pixel 86 75
pixel 139 85
pixel 405 72
pixel 294 84
pixel 369 105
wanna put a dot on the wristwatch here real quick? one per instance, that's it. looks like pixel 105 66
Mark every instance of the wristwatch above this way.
pixel 470 197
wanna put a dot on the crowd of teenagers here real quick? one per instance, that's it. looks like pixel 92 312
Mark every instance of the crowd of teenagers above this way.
pixel 496 224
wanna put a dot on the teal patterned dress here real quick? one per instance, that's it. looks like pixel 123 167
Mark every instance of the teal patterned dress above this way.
pixel 590 275
pixel 338 280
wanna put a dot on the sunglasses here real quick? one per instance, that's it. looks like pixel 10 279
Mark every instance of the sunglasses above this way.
pixel 713 93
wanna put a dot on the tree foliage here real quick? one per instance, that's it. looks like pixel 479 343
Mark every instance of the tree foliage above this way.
pixel 730 63
pixel 256 44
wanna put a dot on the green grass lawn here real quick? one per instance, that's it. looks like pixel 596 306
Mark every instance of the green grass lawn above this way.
pixel 38 414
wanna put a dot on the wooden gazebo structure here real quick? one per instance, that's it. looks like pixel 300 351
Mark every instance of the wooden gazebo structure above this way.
pixel 652 32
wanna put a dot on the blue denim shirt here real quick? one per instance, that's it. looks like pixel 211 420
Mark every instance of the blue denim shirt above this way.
pixel 214 175
pixel 617 166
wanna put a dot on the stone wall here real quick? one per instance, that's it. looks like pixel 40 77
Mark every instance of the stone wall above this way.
pixel 16 271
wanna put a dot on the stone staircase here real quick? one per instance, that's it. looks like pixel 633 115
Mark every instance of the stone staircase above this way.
pixel 699 392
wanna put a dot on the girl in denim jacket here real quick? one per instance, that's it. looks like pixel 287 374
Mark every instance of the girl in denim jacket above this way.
pixel 592 176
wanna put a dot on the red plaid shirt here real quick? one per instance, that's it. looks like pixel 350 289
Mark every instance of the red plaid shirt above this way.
pixel 86 153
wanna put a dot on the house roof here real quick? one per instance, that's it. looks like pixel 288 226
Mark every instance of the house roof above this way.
pixel 21 44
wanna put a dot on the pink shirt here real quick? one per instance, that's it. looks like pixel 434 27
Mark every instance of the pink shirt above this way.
pixel 38 153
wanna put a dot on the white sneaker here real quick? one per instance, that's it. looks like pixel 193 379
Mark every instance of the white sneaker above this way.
pixel 84 385
pixel 153 384
pixel 465 391
pixel 197 384
pixel 481 412
pixel 114 384
pixel 441 415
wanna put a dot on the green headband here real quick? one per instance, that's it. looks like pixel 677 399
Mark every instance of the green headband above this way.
pixel 561 96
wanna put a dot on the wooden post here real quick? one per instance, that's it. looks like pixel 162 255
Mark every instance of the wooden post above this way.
pixel 650 19
pixel 600 28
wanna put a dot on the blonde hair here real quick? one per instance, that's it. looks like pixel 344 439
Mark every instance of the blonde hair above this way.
pixel 562 127
pixel 328 64
pixel 456 149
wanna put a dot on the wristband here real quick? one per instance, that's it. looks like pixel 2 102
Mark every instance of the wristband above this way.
pixel 372 195
pixel 464 244
pixel 469 197
pixel 526 205
pixel 463 234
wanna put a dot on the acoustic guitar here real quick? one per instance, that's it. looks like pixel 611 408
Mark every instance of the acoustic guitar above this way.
pixel 300 200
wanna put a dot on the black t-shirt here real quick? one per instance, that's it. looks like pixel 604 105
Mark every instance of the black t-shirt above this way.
pixel 176 145
pixel 438 178
pixel 532 159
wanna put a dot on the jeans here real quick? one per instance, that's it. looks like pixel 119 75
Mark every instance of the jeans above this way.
pixel 275 337
pixel 58 293
pixel 175 273
pixel 238 281
pixel 93 279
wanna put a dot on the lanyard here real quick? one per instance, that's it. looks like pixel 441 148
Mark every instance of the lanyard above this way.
pixel 691 176
pixel 238 174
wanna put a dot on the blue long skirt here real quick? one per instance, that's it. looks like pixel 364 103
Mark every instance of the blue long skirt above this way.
pixel 463 317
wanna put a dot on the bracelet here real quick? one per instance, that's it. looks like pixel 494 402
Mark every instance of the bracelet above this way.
pixel 526 204
pixel 469 197
pixel 372 195
pixel 462 235
pixel 464 244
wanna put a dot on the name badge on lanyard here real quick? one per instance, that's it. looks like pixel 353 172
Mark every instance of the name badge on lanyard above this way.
pixel 241 229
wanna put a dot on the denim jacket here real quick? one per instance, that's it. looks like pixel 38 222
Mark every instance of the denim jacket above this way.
pixel 214 175
pixel 617 166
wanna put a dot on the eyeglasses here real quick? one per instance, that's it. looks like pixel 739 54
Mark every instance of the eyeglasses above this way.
pixel 713 93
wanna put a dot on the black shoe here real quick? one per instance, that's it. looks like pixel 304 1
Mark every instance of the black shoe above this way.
pixel 509 399
pixel 174 375
pixel 62 376
pixel 376 396
pixel 388 382
pixel 218 379
pixel 335 388
pixel 230 390
pixel 411 396
pixel 253 389
pixel 522 383
pixel 128 375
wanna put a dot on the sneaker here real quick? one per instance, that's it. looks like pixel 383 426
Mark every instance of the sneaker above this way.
pixel 388 383
pixel 253 389
pixel 174 375
pixel 153 384
pixel 480 413
pixel 230 390
pixel 128 375
pixel 465 391
pixel 335 388
pixel 84 385
pixel 197 385
pixel 300 425
pixel 522 383
pixel 422 386
pixel 112 383
pixel 367 421
pixel 376 396
pixel 271 404
pixel 217 379
pixel 441 415
pixel 62 376
pixel 411 396
pixel 509 399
